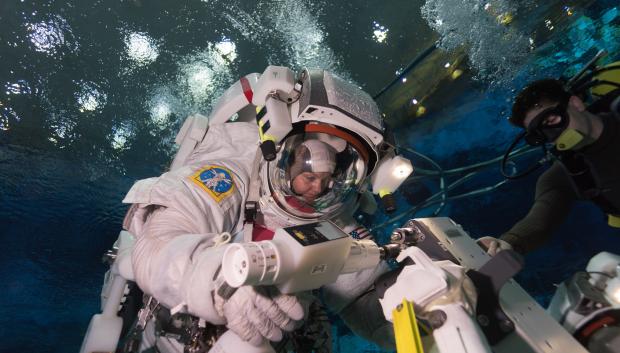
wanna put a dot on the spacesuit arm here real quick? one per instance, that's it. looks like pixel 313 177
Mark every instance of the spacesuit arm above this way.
pixel 176 264
pixel 553 201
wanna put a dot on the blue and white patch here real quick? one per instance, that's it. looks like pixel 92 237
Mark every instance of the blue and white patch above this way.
pixel 215 180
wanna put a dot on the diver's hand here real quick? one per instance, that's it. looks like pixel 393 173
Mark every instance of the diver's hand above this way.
pixel 254 313
pixel 493 245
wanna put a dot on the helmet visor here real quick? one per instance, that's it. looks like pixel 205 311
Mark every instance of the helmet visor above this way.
pixel 315 174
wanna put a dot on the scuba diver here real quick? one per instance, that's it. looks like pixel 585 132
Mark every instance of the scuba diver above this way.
pixel 321 138
pixel 586 142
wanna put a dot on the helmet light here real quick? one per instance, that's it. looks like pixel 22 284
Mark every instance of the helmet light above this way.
pixel 390 174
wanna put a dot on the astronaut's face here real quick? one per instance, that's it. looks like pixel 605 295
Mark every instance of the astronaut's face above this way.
pixel 310 185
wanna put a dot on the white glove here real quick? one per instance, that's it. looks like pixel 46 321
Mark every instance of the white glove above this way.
pixel 254 313
pixel 493 245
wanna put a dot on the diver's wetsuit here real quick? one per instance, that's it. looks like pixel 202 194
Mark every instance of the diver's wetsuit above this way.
pixel 556 190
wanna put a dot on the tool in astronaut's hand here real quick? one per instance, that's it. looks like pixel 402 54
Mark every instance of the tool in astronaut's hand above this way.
pixel 301 258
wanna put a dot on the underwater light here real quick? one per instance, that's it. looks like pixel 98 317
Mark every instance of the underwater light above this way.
pixel 456 74
pixel 200 79
pixel 505 18
pixel 380 32
pixel 141 48
pixel 549 24
pixel 420 111
pixel 160 113
pixel 50 35
pixel 88 103
pixel 120 136
pixel 90 96
pixel 19 87
pixel 227 49
pixel 6 113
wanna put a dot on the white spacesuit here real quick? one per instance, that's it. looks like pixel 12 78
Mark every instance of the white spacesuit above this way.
pixel 182 219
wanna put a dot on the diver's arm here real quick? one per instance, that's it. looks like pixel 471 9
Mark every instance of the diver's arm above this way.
pixel 553 201
pixel 364 316
pixel 354 298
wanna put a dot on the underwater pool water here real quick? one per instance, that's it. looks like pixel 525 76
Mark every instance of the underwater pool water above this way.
pixel 93 93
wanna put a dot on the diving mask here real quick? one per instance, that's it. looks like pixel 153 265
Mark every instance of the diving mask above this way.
pixel 543 129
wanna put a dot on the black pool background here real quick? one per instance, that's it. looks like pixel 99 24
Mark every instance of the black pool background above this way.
pixel 64 171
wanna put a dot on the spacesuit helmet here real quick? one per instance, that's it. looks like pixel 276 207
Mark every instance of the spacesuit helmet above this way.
pixel 336 141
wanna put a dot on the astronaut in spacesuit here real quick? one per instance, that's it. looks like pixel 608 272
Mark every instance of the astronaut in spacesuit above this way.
pixel 224 190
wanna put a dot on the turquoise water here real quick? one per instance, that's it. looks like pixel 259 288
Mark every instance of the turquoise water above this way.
pixel 93 93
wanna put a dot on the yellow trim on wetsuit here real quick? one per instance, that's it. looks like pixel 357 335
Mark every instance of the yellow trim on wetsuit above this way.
pixel 613 220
